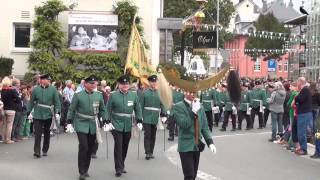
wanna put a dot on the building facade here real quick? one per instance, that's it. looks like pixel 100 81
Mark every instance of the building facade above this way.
pixel 312 69
pixel 246 66
pixel 16 18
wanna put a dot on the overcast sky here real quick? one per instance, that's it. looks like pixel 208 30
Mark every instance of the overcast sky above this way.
pixel 297 3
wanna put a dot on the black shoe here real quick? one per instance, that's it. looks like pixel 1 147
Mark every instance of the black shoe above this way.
pixel 93 156
pixel 82 177
pixel 171 138
pixel 223 129
pixel 124 171
pixel 271 140
pixel 233 129
pixel 248 128
pixel 215 125
pixel 315 156
pixel 35 155
pixel 44 154
pixel 86 174
pixel 239 128
pixel 260 128
pixel 151 156
pixel 118 174
pixel 147 157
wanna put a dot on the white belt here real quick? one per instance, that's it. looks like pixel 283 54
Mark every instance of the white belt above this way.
pixel 207 101
pixel 86 116
pixel 152 109
pixel 123 114
pixel 45 106
pixel 177 103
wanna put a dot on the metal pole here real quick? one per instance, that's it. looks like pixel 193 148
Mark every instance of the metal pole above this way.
pixel 107 144
pixel 166 47
pixel 217 28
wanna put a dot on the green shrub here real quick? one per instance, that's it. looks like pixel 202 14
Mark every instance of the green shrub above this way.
pixel 5 66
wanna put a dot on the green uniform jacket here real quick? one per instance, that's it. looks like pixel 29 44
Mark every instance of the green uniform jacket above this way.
pixel 218 99
pixel 150 99
pixel 83 103
pixel 47 96
pixel 176 98
pixel 184 117
pixel 268 95
pixel 258 94
pixel 120 103
pixel 207 99
pixel 225 100
pixel 245 100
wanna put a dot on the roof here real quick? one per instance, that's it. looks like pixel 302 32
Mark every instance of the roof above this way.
pixel 256 7
pixel 281 11
pixel 301 20
pixel 247 17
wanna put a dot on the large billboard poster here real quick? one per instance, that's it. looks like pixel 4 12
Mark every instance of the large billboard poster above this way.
pixel 89 31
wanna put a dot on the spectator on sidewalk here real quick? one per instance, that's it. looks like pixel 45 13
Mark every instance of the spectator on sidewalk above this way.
pixel 10 99
pixel 25 130
pixel 18 118
pixel 276 101
pixel 304 109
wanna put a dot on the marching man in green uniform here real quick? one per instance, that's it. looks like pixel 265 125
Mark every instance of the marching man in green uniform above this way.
pixel 244 108
pixel 151 111
pixel 46 106
pixel 257 102
pixel 86 108
pixel 191 119
pixel 229 109
pixel 120 108
pixel 207 100
pixel 176 98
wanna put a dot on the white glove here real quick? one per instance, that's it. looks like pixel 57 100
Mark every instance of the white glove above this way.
pixel 57 117
pixel 263 107
pixel 213 148
pixel 163 119
pixel 139 125
pixel 223 109
pixel 168 112
pixel 196 105
pixel 69 128
pixel 234 108
pixel 108 127
pixel 30 117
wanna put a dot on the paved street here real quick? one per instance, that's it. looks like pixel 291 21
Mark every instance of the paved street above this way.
pixel 241 156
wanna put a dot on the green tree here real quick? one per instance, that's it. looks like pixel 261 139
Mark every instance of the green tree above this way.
pixel 267 23
pixel 50 53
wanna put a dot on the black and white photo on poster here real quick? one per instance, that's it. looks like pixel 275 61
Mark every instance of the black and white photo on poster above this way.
pixel 92 32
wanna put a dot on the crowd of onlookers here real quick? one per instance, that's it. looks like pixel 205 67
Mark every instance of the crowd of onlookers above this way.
pixel 293 106
pixel 294 109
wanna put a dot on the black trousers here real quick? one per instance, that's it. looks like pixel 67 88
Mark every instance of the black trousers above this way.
pixel 150 131
pixel 121 144
pixel 86 143
pixel 210 119
pixel 217 117
pixel 95 148
pixel 243 115
pixel 254 112
pixel 41 126
pixel 172 126
pixel 64 113
pixel 266 117
pixel 227 114
pixel 190 164
pixel 295 131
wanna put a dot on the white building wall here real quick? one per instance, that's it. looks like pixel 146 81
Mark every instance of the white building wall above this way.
pixel 10 13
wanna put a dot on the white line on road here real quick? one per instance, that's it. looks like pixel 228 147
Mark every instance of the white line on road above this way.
pixel 243 134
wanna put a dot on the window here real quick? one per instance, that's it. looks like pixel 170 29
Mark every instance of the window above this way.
pixel 280 67
pixel 285 66
pixel 257 66
pixel 21 35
